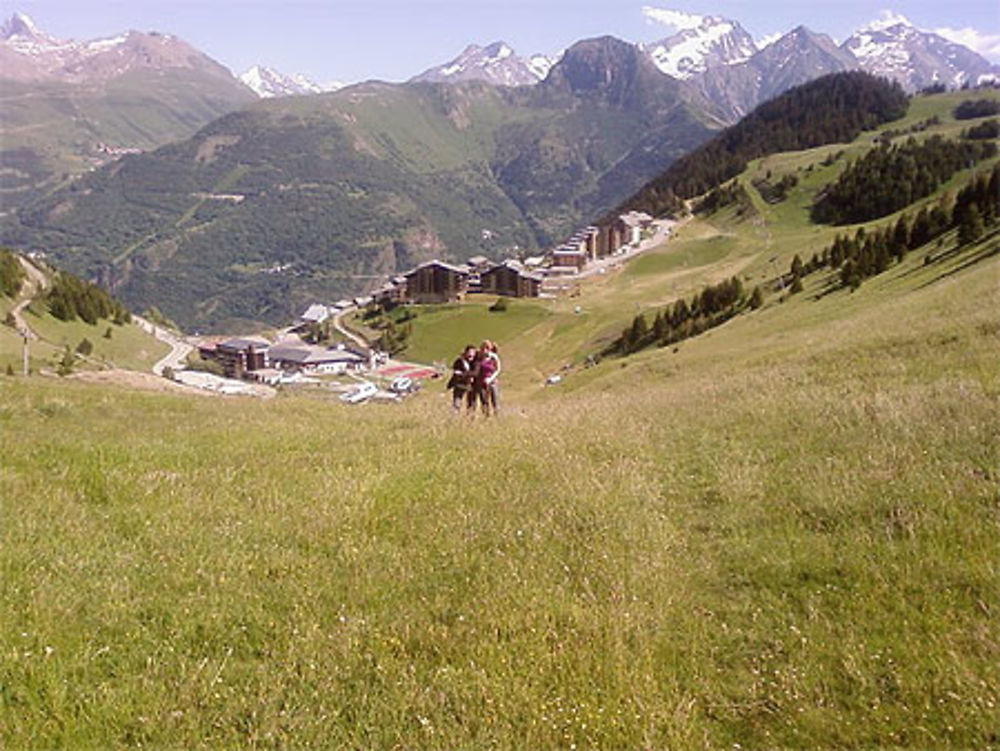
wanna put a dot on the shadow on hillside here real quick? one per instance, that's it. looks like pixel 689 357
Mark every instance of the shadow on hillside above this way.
pixel 991 248
pixel 832 286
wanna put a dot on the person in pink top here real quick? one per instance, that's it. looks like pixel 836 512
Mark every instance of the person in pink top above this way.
pixel 487 375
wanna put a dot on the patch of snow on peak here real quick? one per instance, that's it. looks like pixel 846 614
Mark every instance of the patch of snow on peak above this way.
pixel 540 65
pixel 676 19
pixel 688 52
pixel 267 83
pixel 887 20
pixel 103 45
pixel 769 39
pixel 24 20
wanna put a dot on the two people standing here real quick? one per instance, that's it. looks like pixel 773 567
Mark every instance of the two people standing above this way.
pixel 475 378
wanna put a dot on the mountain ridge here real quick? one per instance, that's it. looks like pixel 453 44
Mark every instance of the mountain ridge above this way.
pixel 346 187
pixel 496 63
pixel 266 82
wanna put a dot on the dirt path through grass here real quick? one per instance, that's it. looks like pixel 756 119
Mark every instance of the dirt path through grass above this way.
pixel 36 283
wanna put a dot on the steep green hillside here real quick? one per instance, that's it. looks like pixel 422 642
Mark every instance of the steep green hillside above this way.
pixel 778 534
pixel 298 199
pixel 781 536
pixel 107 339
pixel 831 109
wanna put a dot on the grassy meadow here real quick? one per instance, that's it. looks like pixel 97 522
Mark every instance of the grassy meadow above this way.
pixel 783 535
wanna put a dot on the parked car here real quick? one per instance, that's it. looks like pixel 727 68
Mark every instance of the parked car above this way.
pixel 402 385
pixel 363 392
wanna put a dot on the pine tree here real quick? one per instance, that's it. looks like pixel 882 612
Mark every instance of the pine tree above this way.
pixel 66 363
pixel 797 267
pixel 901 237
pixel 757 298
pixel 640 329
pixel 661 326
pixel 971 227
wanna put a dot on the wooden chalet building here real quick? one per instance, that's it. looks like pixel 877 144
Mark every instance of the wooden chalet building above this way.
pixel 510 279
pixel 238 356
pixel 569 257
pixel 437 282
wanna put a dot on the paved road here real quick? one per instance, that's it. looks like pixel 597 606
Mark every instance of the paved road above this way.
pixel 663 229
pixel 179 348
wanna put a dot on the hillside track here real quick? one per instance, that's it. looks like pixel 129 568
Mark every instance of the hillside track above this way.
pixel 36 284
pixel 180 348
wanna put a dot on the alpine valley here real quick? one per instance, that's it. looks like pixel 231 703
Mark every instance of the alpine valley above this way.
pixel 247 208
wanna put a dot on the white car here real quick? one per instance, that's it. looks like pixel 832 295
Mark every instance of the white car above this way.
pixel 363 392
pixel 401 385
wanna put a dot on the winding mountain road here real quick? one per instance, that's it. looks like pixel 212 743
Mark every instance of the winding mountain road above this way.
pixel 179 348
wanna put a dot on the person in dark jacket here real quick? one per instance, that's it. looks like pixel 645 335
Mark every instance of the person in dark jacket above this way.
pixel 462 381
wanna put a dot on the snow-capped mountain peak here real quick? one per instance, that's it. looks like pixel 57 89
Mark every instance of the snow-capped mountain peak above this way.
pixel 267 83
pixel 20 33
pixel 19 24
pixel 29 54
pixel 701 42
pixel 893 47
pixel 496 63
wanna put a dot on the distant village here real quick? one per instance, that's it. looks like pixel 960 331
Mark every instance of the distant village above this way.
pixel 292 359
pixel 440 282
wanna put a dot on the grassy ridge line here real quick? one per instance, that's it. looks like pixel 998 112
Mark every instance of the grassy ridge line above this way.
pixel 783 547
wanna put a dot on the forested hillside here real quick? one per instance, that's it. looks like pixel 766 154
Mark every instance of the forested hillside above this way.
pixel 11 273
pixel 832 109
pixel 892 177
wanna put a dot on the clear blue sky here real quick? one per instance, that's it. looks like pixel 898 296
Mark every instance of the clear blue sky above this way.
pixel 352 40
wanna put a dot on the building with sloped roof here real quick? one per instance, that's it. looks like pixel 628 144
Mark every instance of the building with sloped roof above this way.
pixel 238 356
pixel 437 282
pixel 510 279
pixel 315 313
pixel 296 356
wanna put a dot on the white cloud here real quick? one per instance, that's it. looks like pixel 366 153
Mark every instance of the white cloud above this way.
pixel 768 40
pixel 676 19
pixel 987 45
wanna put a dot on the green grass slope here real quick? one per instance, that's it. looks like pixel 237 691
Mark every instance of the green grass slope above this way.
pixel 124 346
pixel 779 534
pixel 782 536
